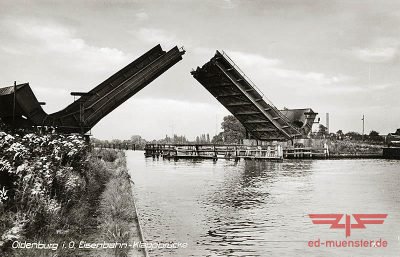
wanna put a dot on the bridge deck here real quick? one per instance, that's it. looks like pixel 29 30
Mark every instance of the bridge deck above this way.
pixel 22 109
pixel 233 89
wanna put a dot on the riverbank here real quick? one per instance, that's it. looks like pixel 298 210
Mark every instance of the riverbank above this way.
pixel 252 149
pixel 55 191
pixel 118 220
pixel 340 149
pixel 360 148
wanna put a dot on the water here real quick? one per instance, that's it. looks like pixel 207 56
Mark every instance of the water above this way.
pixel 255 208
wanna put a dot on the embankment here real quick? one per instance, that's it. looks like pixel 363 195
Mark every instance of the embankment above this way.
pixel 341 148
pixel 56 192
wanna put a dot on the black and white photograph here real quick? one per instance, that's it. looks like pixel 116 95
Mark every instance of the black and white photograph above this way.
pixel 160 128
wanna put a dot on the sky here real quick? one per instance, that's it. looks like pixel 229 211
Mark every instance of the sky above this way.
pixel 336 57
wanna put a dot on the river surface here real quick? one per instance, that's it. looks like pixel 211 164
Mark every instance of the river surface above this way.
pixel 254 208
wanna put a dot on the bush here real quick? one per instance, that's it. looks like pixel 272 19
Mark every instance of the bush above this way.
pixel 52 183
pixel 40 174
pixel 107 155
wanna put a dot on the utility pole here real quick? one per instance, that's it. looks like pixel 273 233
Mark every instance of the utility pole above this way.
pixel 327 123
pixel 363 122
pixel 216 129
pixel 15 99
pixel 172 133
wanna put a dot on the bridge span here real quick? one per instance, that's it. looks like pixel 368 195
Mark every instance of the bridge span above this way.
pixel 233 89
pixel 20 108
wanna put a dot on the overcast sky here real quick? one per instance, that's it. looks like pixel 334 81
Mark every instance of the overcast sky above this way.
pixel 340 57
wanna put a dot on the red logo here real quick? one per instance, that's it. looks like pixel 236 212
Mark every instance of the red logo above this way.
pixel 334 219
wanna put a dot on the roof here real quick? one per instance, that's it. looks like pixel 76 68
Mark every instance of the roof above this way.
pixel 10 90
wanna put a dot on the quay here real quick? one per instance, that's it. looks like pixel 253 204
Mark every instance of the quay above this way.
pixel 233 152
pixel 306 152
pixel 214 152
pixel 356 156
pixel 391 153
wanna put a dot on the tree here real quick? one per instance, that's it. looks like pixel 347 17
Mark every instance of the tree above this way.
pixel 218 139
pixel 373 133
pixel 322 130
pixel 353 135
pixel 139 142
pixel 340 134
pixel 116 141
pixel 234 131
pixel 374 136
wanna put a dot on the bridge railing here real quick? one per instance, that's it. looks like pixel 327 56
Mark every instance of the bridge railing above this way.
pixel 253 85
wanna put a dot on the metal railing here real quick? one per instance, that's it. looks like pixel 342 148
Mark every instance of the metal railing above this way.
pixel 253 85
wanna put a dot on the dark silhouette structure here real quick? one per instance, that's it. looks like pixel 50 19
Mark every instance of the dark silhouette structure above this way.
pixel 20 108
pixel 233 89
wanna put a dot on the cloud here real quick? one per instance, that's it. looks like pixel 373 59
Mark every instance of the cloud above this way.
pixel 142 16
pixel 249 59
pixel 275 68
pixel 314 77
pixel 381 86
pixel 229 4
pixel 376 55
pixel 156 36
pixel 53 39
pixel 381 51
pixel 11 50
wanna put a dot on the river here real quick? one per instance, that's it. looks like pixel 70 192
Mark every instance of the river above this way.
pixel 255 208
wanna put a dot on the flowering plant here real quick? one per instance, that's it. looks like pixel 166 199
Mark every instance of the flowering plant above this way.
pixel 39 174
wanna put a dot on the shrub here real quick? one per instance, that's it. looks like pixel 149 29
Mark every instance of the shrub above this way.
pixel 107 155
pixel 41 175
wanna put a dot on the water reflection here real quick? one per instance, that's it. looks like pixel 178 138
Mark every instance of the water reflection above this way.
pixel 237 222
pixel 253 208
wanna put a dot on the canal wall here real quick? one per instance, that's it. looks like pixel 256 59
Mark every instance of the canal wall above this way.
pixel 391 153
pixel 118 219
pixel 336 148
pixel 252 149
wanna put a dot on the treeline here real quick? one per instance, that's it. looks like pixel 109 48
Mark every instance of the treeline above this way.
pixel 140 142
pixel 372 136
pixel 136 140
pixel 233 132
pixel 203 139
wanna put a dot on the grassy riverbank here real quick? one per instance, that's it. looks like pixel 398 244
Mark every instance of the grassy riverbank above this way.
pixel 118 221
pixel 55 190
pixel 353 148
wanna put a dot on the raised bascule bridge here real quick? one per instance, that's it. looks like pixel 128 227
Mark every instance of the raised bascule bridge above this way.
pixel 234 90
pixel 262 120
pixel 20 108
